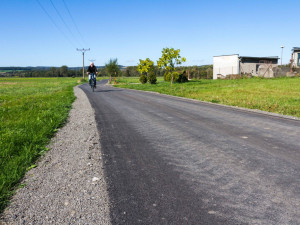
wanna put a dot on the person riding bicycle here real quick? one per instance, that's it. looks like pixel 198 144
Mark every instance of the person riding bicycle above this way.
pixel 92 70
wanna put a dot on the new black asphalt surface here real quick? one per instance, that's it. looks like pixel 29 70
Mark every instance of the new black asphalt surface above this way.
pixel 174 161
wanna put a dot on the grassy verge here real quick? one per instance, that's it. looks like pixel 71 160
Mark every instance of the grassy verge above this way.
pixel 133 80
pixel 31 109
pixel 280 95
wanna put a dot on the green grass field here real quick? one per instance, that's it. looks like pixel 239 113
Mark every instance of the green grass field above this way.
pixel 31 109
pixel 278 95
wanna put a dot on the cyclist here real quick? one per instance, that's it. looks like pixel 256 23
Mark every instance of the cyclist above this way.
pixel 92 70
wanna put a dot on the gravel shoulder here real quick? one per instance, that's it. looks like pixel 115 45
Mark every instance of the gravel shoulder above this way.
pixel 68 184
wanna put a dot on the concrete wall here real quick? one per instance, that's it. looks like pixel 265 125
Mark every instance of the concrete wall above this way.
pixel 249 68
pixel 296 58
pixel 266 70
pixel 281 71
pixel 258 69
pixel 225 65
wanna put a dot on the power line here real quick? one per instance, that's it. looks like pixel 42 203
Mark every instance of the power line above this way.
pixel 62 19
pixel 57 27
pixel 73 21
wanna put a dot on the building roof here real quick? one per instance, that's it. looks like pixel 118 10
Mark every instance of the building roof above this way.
pixel 252 57
pixel 225 55
pixel 296 49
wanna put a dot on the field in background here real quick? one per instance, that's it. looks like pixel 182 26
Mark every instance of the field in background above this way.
pixel 31 109
pixel 278 95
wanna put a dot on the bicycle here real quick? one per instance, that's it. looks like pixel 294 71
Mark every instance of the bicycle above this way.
pixel 93 81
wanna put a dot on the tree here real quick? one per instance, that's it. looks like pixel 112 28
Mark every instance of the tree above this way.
pixel 53 72
pixel 63 71
pixel 131 71
pixel 169 59
pixel 127 72
pixel 112 67
pixel 144 67
pixel 102 72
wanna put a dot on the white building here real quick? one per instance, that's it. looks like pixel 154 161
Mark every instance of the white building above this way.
pixel 234 64
pixel 296 57
pixel 225 64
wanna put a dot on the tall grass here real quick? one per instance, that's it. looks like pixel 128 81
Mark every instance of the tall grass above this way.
pixel 31 109
pixel 280 95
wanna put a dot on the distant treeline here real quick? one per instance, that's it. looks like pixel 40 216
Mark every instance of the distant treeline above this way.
pixel 195 72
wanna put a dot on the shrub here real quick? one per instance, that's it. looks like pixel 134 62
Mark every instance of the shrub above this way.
pixel 143 79
pixel 168 76
pixel 182 78
pixel 152 77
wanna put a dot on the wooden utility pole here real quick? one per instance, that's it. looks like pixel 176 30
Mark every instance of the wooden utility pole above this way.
pixel 83 51
pixel 292 62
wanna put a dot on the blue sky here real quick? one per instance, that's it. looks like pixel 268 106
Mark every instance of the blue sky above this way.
pixel 136 29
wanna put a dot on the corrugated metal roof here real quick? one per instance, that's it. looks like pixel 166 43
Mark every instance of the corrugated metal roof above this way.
pixel 224 55
pixel 296 49
pixel 267 57
pixel 252 57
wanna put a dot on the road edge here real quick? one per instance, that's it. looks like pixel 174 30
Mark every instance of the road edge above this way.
pixel 256 111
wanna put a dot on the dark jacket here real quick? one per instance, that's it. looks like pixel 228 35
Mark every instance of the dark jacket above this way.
pixel 92 69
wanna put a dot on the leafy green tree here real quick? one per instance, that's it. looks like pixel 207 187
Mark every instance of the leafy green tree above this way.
pixel 53 72
pixel 112 67
pixel 63 70
pixel 144 67
pixel 169 59
pixel 209 72
pixel 80 71
pixel 102 72
pixel 35 74
pixel 132 71
pixel 127 72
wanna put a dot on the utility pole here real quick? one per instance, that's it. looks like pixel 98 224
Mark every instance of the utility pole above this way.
pixel 281 52
pixel 292 62
pixel 83 51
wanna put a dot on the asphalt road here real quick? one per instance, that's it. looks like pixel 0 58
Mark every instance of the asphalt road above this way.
pixel 174 161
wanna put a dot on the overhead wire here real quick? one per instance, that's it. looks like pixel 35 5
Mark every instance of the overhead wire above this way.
pixel 74 23
pixel 62 19
pixel 57 27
